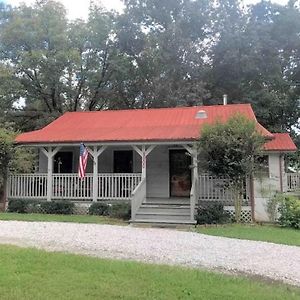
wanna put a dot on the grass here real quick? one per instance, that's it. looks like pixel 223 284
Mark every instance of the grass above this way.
pixel 266 233
pixel 61 218
pixel 33 274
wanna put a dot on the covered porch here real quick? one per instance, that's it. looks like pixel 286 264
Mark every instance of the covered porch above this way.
pixel 161 175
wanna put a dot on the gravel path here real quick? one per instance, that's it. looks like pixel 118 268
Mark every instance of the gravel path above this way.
pixel 165 246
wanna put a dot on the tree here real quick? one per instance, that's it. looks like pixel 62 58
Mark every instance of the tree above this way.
pixel 58 65
pixel 255 60
pixel 165 41
pixel 230 149
pixel 12 158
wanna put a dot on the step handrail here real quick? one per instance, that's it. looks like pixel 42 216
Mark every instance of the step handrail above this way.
pixel 138 197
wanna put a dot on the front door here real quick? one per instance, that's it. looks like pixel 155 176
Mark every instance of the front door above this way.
pixel 123 161
pixel 63 162
pixel 180 173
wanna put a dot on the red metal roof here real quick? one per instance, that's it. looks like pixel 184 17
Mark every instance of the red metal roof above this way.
pixel 281 142
pixel 160 124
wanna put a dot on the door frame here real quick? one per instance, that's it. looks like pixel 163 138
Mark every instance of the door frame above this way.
pixel 190 171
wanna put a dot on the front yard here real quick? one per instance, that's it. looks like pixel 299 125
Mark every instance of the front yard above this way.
pixel 266 233
pixel 33 274
pixel 61 218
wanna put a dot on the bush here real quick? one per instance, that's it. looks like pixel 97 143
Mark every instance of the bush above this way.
pixel 289 210
pixel 17 206
pixel 120 211
pixel 58 207
pixel 33 206
pixel 99 209
pixel 212 214
pixel 272 206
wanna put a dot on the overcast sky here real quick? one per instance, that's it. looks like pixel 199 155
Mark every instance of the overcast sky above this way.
pixel 79 8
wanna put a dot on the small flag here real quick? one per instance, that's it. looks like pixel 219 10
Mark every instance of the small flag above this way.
pixel 83 158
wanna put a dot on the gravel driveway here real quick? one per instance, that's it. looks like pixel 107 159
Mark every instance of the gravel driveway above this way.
pixel 165 246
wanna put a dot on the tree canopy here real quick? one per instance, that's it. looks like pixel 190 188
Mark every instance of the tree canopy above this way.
pixel 153 54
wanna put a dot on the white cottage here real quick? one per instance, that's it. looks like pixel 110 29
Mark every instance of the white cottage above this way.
pixel 145 156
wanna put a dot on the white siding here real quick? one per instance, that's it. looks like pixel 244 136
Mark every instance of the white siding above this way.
pixel 43 163
pixel 265 188
pixel 158 172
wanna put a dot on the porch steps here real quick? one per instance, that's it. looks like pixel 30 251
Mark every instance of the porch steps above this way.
pixel 164 211
pixel 168 201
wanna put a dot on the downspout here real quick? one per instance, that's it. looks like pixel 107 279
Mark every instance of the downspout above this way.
pixel 280 174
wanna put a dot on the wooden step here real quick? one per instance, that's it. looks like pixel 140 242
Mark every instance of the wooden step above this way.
pixel 164 209
pixel 162 217
pixel 162 222
pixel 168 201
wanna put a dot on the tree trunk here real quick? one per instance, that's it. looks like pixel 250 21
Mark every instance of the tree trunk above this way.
pixel 4 194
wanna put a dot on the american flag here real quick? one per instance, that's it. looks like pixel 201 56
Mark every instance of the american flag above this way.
pixel 83 157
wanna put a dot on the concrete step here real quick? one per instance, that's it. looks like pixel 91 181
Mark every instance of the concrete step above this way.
pixel 164 210
pixel 162 217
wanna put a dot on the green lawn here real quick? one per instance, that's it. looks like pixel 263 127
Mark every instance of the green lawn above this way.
pixel 61 218
pixel 33 274
pixel 267 233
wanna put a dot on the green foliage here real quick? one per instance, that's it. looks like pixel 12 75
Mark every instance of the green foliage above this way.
pixel 289 210
pixel 99 209
pixel 12 158
pixel 17 206
pixel 6 152
pixel 272 205
pixel 212 214
pixel 229 149
pixel 156 53
pixel 57 207
pixel 120 211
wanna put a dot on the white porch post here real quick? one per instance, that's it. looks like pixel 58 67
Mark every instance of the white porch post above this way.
pixel 95 152
pixel 138 199
pixel 144 153
pixel 50 152
pixel 194 191
pixel 193 153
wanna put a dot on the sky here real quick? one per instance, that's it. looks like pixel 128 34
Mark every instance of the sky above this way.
pixel 79 8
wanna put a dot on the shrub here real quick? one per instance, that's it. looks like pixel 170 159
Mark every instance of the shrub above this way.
pixel 99 209
pixel 17 206
pixel 58 207
pixel 289 210
pixel 120 211
pixel 273 204
pixel 33 206
pixel 212 214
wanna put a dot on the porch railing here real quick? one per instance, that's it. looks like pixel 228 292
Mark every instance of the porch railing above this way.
pixel 70 186
pixel 111 186
pixel 215 189
pixel 27 186
pixel 293 182
pixel 117 186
